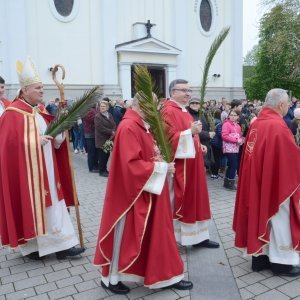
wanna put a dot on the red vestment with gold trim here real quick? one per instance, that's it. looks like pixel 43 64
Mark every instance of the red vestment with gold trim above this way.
pixel 269 175
pixel 148 246
pixel 190 188
pixel 24 188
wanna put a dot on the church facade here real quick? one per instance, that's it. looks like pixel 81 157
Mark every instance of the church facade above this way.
pixel 100 41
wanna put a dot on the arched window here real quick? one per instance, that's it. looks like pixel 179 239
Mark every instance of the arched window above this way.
pixel 64 10
pixel 205 14
pixel 64 7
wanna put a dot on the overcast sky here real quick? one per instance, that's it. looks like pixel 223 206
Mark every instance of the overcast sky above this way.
pixel 252 14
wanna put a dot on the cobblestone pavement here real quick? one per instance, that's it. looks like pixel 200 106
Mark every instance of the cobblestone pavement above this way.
pixel 78 278
pixel 252 285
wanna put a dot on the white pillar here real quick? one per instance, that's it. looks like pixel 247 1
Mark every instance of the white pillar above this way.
pixel 125 79
pixel 171 75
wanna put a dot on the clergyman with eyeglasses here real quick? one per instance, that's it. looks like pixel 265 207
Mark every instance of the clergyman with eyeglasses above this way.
pixel 188 187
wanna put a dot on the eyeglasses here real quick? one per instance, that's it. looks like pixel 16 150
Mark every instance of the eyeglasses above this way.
pixel 195 103
pixel 184 90
pixel 233 115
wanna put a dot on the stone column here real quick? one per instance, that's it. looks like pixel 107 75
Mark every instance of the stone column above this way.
pixel 125 79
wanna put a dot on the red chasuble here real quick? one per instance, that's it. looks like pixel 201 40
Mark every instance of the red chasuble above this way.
pixel 190 187
pixel 148 246
pixel 24 188
pixel 5 102
pixel 269 175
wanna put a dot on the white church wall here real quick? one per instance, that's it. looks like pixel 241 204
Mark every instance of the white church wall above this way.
pixel 86 44
pixel 66 43
pixel 13 37
pixel 229 70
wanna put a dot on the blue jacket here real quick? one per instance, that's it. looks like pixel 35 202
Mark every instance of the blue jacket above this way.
pixel 216 141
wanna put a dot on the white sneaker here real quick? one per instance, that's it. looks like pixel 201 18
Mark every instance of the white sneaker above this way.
pixel 76 151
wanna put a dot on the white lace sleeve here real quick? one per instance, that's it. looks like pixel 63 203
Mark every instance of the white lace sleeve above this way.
pixel 156 182
pixel 186 147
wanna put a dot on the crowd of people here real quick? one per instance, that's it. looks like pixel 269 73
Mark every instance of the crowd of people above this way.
pixel 225 125
pixel 151 205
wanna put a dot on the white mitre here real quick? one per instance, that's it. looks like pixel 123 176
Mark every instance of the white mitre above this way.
pixel 27 73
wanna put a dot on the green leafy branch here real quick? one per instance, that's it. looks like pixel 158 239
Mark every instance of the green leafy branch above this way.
pixel 149 104
pixel 66 118
pixel 209 58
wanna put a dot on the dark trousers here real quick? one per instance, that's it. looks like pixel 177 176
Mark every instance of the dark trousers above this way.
pixel 240 157
pixel 78 137
pixel 91 150
pixel 215 166
pixel 103 159
pixel 232 164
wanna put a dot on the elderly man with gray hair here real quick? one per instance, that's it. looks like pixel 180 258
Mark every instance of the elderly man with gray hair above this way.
pixel 267 215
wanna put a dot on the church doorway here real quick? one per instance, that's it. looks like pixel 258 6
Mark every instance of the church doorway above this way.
pixel 158 74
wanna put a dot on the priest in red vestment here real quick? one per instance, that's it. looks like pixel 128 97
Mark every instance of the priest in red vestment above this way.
pixel 3 102
pixel 267 211
pixel 188 187
pixel 35 178
pixel 136 238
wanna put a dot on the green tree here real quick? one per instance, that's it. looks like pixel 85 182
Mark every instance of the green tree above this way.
pixel 291 4
pixel 278 51
pixel 251 56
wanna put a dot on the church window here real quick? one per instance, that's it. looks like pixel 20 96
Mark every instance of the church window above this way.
pixel 205 14
pixel 64 10
pixel 64 7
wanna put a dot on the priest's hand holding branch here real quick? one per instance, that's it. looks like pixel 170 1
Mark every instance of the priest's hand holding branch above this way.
pixel 196 127
pixel 171 168
pixel 44 139
pixel 59 139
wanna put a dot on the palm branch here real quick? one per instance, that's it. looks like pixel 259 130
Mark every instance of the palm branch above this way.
pixel 209 58
pixel 66 119
pixel 210 116
pixel 149 105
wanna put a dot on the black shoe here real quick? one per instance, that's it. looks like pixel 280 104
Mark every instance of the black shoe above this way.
pixel 69 252
pixel 94 171
pixel 229 184
pixel 290 270
pixel 207 244
pixel 34 256
pixel 104 174
pixel 119 288
pixel 181 285
pixel 260 263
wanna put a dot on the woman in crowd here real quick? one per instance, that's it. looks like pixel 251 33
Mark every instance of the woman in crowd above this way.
pixel 205 135
pixel 105 127
pixel 89 135
pixel 232 139
pixel 216 146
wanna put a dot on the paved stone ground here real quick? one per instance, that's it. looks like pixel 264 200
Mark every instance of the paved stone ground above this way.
pixel 252 285
pixel 78 278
